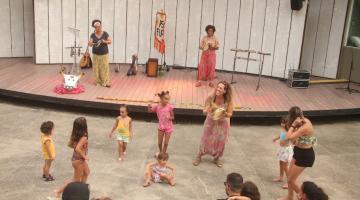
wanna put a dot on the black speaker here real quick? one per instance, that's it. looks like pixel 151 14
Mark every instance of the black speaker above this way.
pixel 296 4
pixel 298 74
pixel 298 83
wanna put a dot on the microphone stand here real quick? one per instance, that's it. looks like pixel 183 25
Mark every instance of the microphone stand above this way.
pixel 348 87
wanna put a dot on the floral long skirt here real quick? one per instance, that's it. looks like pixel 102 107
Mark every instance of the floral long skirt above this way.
pixel 214 137
pixel 206 68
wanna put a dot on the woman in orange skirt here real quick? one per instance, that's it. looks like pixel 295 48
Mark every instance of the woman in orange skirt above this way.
pixel 206 69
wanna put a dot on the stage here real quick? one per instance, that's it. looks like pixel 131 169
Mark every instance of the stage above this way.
pixel 20 78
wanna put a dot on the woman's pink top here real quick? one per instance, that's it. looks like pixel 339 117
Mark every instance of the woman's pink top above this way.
pixel 163 114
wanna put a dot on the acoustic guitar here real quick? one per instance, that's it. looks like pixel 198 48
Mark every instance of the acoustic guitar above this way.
pixel 85 61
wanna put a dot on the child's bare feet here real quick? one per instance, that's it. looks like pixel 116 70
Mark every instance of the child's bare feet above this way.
pixel 172 182
pixel 197 84
pixel 57 193
pixel 147 182
pixel 279 179
pixel 285 186
pixel 196 161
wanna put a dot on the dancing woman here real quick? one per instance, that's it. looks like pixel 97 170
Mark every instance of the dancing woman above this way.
pixel 208 44
pixel 218 110
pixel 301 132
pixel 99 41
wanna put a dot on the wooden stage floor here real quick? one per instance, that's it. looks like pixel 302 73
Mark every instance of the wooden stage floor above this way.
pixel 20 78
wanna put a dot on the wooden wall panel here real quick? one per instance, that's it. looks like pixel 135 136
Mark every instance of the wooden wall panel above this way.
pixel 144 27
pixel 244 34
pixel 194 34
pixel 269 38
pixel 17 28
pixel 257 31
pixel 41 9
pixel 29 28
pixel 322 39
pixel 282 39
pixel 68 21
pixel 170 9
pixel 5 25
pixel 181 32
pixel 120 30
pixel 132 34
pixel 55 32
pixel 232 24
pixel 220 11
pixel 336 33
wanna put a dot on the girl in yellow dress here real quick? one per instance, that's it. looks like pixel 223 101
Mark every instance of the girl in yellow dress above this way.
pixel 48 148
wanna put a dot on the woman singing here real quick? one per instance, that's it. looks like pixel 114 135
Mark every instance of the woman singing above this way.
pixel 208 45
pixel 99 41
pixel 218 110
pixel 301 132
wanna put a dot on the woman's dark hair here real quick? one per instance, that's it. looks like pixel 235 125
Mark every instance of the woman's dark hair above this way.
pixel 94 21
pixel 234 182
pixel 313 192
pixel 210 27
pixel 79 131
pixel 46 127
pixel 163 156
pixel 249 189
pixel 162 94
pixel 126 107
pixel 294 113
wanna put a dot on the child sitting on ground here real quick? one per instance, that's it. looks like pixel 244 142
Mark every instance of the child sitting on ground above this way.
pixel 159 171
pixel 48 148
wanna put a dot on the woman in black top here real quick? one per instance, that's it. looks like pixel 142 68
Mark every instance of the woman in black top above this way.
pixel 99 41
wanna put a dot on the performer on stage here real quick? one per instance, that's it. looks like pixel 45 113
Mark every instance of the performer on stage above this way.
pixel 99 41
pixel 208 45
pixel 300 131
pixel 218 110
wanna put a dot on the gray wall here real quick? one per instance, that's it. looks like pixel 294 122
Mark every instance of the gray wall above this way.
pixel 17 26
pixel 267 25
pixel 323 37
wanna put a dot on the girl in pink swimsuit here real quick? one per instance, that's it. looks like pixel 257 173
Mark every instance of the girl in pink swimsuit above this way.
pixel 165 114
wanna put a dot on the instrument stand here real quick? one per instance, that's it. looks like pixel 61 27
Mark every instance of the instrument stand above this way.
pixel 348 87
pixel 75 51
pixel 261 66
pixel 236 57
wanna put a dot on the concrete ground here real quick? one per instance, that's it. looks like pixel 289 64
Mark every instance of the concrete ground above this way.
pixel 249 152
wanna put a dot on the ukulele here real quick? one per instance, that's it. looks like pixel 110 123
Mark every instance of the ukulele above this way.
pixel 85 61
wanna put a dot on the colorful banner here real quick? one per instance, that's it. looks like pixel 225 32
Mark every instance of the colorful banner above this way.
pixel 159 41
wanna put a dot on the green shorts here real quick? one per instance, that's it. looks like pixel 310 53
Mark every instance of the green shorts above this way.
pixel 122 138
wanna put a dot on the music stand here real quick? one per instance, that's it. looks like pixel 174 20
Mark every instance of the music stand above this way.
pixel 348 87
pixel 239 57
pixel 74 51
pixel 261 66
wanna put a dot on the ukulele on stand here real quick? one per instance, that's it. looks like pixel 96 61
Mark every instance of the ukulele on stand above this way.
pixel 85 61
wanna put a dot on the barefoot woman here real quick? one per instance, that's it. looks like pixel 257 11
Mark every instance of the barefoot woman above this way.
pixel 218 110
pixel 99 41
pixel 300 131
pixel 209 44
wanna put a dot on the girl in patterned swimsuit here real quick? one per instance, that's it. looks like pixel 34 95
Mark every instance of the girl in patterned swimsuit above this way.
pixel 284 154
pixel 159 171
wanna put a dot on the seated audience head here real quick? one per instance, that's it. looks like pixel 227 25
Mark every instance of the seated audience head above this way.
pixel 233 184
pixel 310 191
pixel 249 189
pixel 76 191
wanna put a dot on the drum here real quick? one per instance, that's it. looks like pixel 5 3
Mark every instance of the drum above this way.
pixel 152 67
